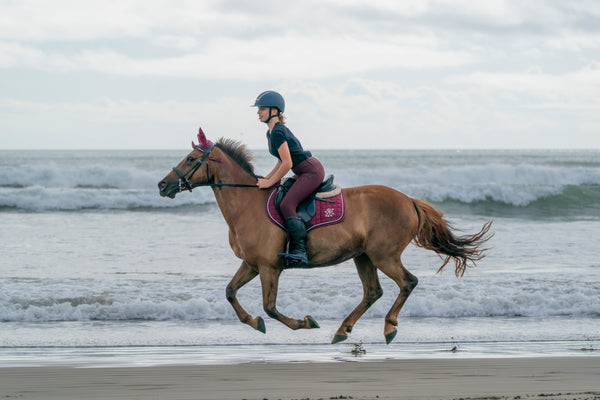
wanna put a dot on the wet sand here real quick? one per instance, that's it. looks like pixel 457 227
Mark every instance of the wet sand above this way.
pixel 503 378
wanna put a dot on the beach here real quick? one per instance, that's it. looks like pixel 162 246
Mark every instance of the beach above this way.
pixel 498 378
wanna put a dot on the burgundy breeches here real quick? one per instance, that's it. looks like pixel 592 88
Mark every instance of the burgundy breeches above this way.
pixel 310 175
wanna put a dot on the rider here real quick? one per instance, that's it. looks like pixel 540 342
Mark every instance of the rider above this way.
pixel 290 155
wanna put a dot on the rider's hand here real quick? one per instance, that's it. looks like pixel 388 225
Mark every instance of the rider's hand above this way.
pixel 263 183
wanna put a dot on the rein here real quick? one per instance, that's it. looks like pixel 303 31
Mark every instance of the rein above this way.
pixel 184 178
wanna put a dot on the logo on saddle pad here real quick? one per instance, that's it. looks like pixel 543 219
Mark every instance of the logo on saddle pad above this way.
pixel 324 207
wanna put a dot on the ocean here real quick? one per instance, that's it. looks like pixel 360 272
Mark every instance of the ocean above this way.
pixel 96 269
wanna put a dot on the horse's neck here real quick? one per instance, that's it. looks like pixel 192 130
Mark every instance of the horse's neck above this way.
pixel 236 203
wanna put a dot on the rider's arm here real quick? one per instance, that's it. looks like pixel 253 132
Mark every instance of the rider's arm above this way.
pixel 274 169
pixel 282 168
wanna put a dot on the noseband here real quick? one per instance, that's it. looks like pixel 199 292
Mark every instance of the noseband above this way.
pixel 184 178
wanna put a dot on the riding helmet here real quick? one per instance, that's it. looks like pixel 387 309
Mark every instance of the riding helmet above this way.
pixel 270 98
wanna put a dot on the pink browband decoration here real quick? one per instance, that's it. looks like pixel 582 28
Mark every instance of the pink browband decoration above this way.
pixel 204 145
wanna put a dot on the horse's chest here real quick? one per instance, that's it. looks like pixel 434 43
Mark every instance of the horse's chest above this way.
pixel 234 242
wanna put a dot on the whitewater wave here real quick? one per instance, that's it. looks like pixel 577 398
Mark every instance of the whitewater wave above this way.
pixel 44 188
pixel 515 185
pixel 39 199
pixel 178 300
pixel 90 176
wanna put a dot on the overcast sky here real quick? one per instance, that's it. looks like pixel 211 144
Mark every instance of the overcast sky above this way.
pixel 375 74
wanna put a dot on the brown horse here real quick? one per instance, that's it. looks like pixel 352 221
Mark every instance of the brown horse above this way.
pixel 379 223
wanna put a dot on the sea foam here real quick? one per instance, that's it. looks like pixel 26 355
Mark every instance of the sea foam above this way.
pixel 442 297
pixel 41 188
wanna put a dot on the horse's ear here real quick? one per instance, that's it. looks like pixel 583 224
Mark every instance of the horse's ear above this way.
pixel 203 142
pixel 201 137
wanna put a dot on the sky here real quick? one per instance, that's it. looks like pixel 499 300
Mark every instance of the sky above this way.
pixel 377 74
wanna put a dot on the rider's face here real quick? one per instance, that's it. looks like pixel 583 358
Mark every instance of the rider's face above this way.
pixel 263 113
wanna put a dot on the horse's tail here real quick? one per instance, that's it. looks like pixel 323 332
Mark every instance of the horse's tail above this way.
pixel 435 233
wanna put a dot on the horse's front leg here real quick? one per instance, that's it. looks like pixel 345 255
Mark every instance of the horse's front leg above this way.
pixel 269 278
pixel 243 275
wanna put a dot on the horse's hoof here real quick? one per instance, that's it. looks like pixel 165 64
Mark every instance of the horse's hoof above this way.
pixel 339 338
pixel 260 325
pixel 311 322
pixel 390 336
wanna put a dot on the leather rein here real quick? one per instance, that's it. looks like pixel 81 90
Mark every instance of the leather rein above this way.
pixel 184 178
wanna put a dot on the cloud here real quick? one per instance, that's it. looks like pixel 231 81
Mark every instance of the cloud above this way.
pixel 109 123
pixel 408 74
pixel 580 87
pixel 15 54
pixel 225 58
pixel 64 20
pixel 573 42
pixel 352 113
pixel 302 40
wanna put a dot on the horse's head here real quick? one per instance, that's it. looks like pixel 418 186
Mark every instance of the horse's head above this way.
pixel 183 176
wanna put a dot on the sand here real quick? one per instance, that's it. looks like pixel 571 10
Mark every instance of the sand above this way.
pixel 502 378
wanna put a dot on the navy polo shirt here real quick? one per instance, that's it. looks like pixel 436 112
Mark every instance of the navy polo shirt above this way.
pixel 280 134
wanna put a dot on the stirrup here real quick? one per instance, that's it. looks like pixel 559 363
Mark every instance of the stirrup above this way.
pixel 292 260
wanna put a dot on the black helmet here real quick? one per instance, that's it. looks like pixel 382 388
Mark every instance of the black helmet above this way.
pixel 270 98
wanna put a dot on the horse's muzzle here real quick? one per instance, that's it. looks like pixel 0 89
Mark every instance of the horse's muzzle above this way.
pixel 168 189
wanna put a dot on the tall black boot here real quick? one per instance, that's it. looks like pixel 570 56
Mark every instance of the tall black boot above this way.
pixel 297 257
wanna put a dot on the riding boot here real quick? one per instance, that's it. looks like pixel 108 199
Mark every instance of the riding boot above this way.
pixel 297 257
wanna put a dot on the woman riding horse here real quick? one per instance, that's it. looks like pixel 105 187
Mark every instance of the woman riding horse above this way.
pixel 379 223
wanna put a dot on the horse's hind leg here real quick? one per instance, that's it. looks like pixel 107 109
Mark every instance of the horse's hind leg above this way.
pixel 371 292
pixel 243 275
pixel 406 282
pixel 269 278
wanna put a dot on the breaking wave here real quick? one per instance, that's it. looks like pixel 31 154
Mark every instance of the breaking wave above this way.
pixel 437 296
pixel 493 188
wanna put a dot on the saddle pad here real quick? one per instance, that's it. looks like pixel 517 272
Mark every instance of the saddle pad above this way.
pixel 327 213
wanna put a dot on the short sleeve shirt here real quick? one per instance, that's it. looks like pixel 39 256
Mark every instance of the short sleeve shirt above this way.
pixel 280 134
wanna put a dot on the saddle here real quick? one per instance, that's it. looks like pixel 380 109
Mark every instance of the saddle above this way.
pixel 308 207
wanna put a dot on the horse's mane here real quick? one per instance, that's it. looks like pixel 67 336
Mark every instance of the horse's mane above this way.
pixel 238 152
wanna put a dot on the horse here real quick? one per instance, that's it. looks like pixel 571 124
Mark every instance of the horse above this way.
pixel 379 224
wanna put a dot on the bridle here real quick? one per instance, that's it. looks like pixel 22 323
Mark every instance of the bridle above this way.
pixel 184 178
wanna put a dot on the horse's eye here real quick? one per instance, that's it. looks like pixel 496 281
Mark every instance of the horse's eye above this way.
pixel 191 159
